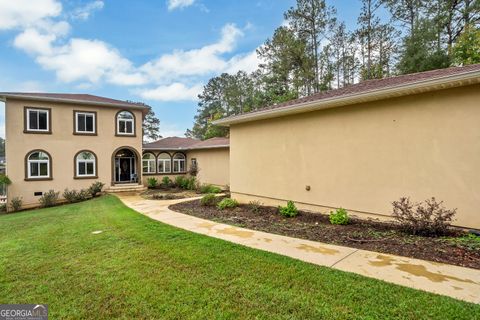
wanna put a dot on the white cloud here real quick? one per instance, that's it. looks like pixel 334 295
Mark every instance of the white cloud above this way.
pixel 248 63
pixel 34 42
pixel 179 4
pixel 90 60
pixel 83 13
pixel 173 92
pixel 27 13
pixel 171 130
pixel 196 62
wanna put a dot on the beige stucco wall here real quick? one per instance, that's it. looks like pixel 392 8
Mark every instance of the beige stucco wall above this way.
pixel 213 163
pixel 365 156
pixel 62 145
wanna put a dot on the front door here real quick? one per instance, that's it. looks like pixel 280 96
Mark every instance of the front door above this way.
pixel 124 169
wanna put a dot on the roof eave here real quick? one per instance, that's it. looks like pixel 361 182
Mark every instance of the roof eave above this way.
pixel 4 97
pixel 186 148
pixel 389 92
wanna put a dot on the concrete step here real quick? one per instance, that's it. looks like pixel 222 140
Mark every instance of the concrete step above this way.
pixel 127 187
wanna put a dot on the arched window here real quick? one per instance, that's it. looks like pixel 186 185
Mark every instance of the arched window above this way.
pixel 125 123
pixel 164 163
pixel 85 164
pixel 179 162
pixel 148 163
pixel 38 165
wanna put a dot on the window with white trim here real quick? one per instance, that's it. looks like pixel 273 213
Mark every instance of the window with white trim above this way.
pixel 86 164
pixel 125 123
pixel 38 165
pixel 179 162
pixel 164 163
pixel 85 122
pixel 38 120
pixel 148 163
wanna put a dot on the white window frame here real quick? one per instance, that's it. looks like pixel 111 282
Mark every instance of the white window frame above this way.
pixel 179 161
pixel 150 164
pixel 164 161
pixel 125 120
pixel 92 114
pixel 78 161
pixel 38 119
pixel 38 162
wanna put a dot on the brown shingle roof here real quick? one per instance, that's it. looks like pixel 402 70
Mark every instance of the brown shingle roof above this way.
pixel 70 97
pixel 368 86
pixel 177 143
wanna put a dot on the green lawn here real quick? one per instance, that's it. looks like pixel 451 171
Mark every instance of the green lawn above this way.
pixel 139 268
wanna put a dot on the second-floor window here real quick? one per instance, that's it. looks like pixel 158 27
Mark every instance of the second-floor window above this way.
pixel 85 122
pixel 37 120
pixel 125 123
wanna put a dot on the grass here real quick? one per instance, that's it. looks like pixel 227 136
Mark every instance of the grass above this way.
pixel 143 269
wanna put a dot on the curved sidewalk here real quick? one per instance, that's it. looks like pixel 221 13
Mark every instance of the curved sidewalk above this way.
pixel 453 281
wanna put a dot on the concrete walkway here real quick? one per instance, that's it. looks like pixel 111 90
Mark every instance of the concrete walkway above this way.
pixel 456 282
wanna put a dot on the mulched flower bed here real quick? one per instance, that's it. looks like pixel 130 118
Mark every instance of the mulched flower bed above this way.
pixel 168 194
pixel 361 234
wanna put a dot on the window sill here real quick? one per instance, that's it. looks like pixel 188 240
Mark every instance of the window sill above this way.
pixel 128 135
pixel 39 179
pixel 84 178
pixel 37 132
pixel 84 133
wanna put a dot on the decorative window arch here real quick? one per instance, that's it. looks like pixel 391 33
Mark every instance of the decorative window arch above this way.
pixel 85 164
pixel 148 163
pixel 179 163
pixel 38 165
pixel 125 123
pixel 164 163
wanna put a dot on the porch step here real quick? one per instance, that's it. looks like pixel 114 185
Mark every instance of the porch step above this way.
pixel 127 187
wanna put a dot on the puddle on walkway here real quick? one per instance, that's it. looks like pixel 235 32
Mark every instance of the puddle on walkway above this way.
pixel 417 270
pixel 207 225
pixel 235 232
pixel 319 249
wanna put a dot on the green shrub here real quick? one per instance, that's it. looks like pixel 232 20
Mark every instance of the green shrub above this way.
pixel 83 195
pixel 289 211
pixel 49 199
pixel 5 180
pixel 166 181
pixel 255 206
pixel 208 188
pixel 191 183
pixel 340 216
pixel 152 182
pixel 3 208
pixel 209 200
pixel 179 181
pixel 227 203
pixel 95 188
pixel 70 195
pixel 16 204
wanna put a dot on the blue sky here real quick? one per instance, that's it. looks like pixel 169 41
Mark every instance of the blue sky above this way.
pixel 160 52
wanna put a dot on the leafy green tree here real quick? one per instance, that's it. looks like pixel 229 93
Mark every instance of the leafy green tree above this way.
pixel 467 49
pixel 151 126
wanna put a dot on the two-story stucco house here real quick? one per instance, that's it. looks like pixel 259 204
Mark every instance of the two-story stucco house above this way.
pixel 58 141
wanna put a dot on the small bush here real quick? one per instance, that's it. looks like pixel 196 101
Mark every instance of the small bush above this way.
pixel 49 199
pixel 3 208
pixel 255 206
pixel 289 211
pixel 95 188
pixel 179 181
pixel 227 203
pixel 16 204
pixel 70 195
pixel 209 200
pixel 425 218
pixel 83 195
pixel 166 181
pixel 191 183
pixel 208 188
pixel 152 182
pixel 340 216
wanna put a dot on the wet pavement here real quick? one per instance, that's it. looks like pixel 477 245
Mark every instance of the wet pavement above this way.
pixel 453 281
